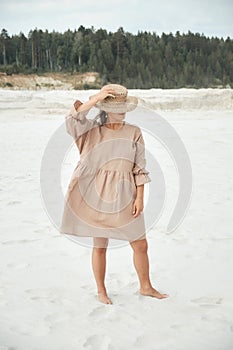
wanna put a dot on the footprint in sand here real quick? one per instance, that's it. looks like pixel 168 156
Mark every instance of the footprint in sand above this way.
pixel 109 314
pixel 19 177
pixel 38 329
pixel 44 296
pixel 14 202
pixel 87 287
pixel 96 312
pixel 21 241
pixel 139 342
pixel 207 302
pixel 176 326
pixel 100 342
pixel 21 265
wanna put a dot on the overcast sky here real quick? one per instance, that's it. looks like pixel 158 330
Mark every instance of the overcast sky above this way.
pixel 211 17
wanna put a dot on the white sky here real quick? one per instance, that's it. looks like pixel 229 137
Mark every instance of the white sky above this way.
pixel 213 18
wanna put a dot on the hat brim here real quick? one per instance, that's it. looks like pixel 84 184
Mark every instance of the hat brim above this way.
pixel 118 107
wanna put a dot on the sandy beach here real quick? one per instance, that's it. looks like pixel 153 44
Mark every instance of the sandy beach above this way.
pixel 47 288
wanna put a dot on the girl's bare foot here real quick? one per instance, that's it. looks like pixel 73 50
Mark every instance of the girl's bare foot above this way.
pixel 103 298
pixel 150 291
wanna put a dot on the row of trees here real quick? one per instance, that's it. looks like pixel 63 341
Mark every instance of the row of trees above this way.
pixel 144 60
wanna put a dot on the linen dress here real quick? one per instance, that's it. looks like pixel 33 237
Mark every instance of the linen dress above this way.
pixel 102 189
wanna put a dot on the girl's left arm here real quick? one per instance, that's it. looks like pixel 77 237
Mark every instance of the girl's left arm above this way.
pixel 141 176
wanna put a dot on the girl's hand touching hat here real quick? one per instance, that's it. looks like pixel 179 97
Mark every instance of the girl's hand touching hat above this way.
pixel 103 93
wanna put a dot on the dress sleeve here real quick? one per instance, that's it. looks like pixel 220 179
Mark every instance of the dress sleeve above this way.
pixel 77 125
pixel 141 176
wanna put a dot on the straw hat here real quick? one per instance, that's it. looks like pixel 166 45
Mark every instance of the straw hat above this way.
pixel 121 103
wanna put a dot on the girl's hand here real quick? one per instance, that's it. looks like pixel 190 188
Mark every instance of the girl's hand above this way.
pixel 77 104
pixel 103 93
pixel 137 207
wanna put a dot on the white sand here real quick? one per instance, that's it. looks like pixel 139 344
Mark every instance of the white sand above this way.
pixel 47 289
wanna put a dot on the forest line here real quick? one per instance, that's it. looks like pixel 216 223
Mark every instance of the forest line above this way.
pixel 143 60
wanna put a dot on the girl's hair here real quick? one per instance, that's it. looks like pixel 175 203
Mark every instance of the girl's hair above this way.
pixel 102 116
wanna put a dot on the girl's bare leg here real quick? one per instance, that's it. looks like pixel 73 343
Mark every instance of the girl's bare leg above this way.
pixel 99 267
pixel 141 263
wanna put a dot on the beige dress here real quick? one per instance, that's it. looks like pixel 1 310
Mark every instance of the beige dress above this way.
pixel 102 189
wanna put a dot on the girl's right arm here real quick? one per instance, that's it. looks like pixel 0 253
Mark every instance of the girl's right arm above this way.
pixel 76 122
